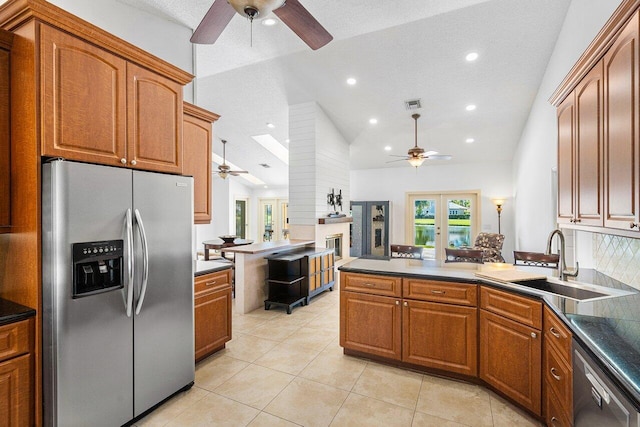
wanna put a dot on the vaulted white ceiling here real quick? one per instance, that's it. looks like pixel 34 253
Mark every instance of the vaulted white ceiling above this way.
pixel 397 50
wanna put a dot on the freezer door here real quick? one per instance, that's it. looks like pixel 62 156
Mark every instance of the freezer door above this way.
pixel 87 341
pixel 163 323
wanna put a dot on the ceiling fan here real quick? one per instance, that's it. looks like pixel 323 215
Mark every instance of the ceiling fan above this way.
pixel 224 169
pixel 416 155
pixel 291 12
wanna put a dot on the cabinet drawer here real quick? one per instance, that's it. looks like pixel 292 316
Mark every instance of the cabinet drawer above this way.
pixel 515 307
pixel 440 291
pixel 555 414
pixel 212 281
pixel 558 334
pixel 370 284
pixel 558 375
pixel 14 339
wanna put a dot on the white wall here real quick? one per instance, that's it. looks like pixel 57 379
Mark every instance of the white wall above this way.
pixel 492 179
pixel 163 38
pixel 536 153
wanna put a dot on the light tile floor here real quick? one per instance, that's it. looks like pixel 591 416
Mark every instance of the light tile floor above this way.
pixel 289 370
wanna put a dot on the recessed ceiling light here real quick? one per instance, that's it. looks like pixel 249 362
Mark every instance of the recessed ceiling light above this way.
pixel 287 140
pixel 470 140
pixel 470 107
pixel 373 121
pixel 351 81
pixel 387 148
pixel 271 125
pixel 472 56
pixel 266 186
pixel 269 22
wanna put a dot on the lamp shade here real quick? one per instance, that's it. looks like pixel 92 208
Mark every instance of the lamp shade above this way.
pixel 498 202
pixel 416 161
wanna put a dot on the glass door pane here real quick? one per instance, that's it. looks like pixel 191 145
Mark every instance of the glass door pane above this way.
pixel 378 230
pixel 424 226
pixel 241 218
pixel 355 228
pixel 267 220
pixel 459 222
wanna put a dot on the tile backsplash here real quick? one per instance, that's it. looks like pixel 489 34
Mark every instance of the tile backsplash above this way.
pixel 617 257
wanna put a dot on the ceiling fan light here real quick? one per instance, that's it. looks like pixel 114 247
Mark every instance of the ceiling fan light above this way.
pixel 255 8
pixel 223 174
pixel 415 161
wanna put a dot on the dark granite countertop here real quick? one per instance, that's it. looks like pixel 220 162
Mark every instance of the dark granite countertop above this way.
pixel 205 267
pixel 609 328
pixel 12 312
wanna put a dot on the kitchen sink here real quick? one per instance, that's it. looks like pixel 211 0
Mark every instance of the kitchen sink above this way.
pixel 572 290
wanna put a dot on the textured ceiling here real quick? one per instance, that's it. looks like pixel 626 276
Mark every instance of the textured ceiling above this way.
pixel 397 50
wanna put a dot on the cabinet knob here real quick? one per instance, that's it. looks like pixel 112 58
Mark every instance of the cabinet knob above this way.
pixel 534 335
pixel 554 375
pixel 406 304
pixel 634 225
pixel 123 161
pixel 397 302
pixel 133 162
pixel 553 421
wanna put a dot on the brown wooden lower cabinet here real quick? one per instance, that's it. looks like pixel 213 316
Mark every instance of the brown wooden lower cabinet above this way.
pixel 371 324
pixel 212 312
pixel 511 359
pixel 440 336
pixel 16 374
pixel 557 372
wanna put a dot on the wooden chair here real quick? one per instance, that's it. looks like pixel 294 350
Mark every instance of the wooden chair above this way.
pixel 463 255
pixel 536 259
pixel 406 251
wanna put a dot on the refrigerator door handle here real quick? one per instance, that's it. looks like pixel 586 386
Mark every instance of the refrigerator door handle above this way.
pixel 130 249
pixel 145 261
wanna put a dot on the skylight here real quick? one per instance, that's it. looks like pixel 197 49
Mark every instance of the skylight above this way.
pixel 274 147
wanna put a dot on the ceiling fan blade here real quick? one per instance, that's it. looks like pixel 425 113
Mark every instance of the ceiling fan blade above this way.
pixel 429 153
pixel 399 160
pixel 439 157
pixel 404 156
pixel 237 172
pixel 301 22
pixel 213 23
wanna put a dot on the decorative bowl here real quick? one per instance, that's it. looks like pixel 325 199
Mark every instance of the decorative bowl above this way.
pixel 228 238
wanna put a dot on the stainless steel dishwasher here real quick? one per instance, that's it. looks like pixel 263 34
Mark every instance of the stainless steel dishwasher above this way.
pixel 597 402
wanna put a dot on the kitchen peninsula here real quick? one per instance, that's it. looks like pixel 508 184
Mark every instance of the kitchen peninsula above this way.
pixel 251 268
pixel 509 337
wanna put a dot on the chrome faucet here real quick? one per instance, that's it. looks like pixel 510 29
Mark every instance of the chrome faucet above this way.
pixel 562 263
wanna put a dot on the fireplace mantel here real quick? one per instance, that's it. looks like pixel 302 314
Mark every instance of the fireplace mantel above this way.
pixel 335 220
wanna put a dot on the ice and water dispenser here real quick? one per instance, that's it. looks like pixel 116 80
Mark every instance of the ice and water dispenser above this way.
pixel 97 267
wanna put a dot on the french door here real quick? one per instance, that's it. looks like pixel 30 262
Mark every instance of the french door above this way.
pixel 436 221
pixel 273 220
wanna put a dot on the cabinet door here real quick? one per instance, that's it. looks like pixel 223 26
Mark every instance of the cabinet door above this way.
pixel 371 324
pixel 212 313
pixel 621 129
pixel 589 148
pixel 16 396
pixel 511 359
pixel 565 160
pixel 440 336
pixel 83 100
pixel 154 108
pixel 197 163
pixel 5 147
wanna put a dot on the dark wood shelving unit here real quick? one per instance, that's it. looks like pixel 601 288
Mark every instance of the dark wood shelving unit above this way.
pixel 294 277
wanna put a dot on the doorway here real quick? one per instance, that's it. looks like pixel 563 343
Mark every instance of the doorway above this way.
pixel 241 218
pixel 273 219
pixel 436 221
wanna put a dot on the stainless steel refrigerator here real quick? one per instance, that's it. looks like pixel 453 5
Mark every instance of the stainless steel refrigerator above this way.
pixel 117 292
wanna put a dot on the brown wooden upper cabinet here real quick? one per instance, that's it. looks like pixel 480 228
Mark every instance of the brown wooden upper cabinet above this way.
pixel 621 122
pixel 598 130
pixel 580 149
pixel 197 136
pixel 100 108
pixel 6 39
